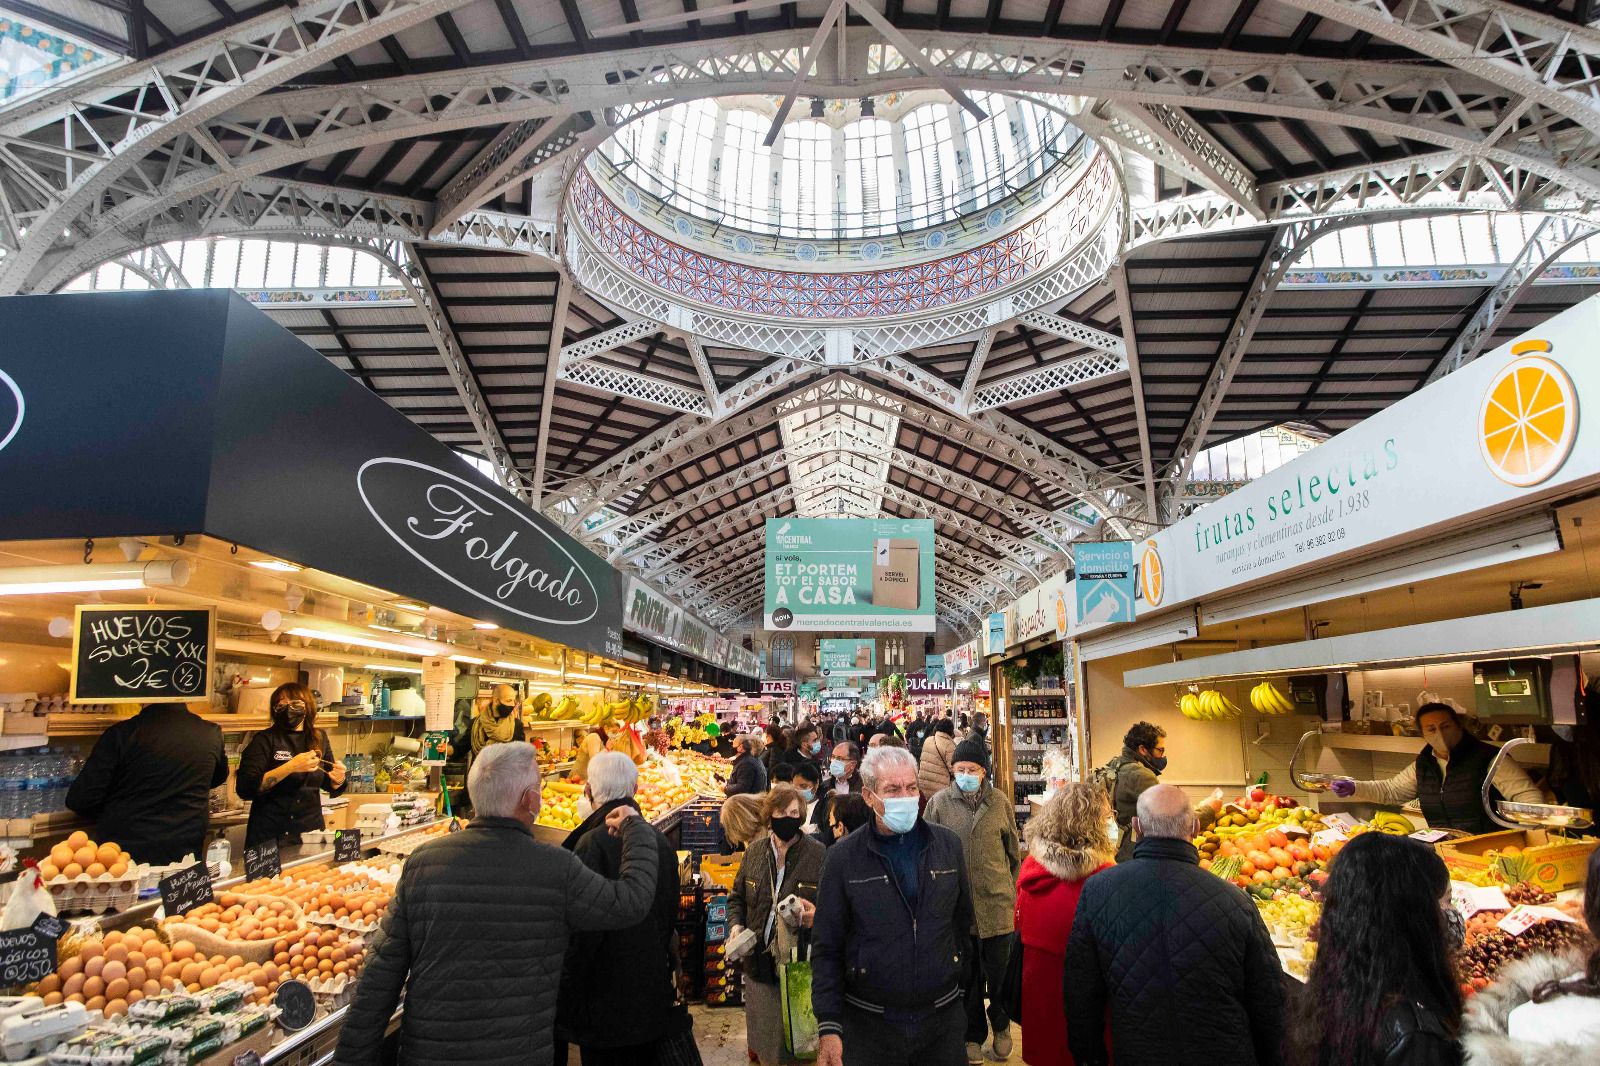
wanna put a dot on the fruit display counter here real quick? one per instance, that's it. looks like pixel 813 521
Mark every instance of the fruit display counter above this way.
pixel 207 984
pixel 666 784
pixel 1278 852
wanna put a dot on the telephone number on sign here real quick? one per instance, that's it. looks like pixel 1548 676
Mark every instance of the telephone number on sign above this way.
pixel 1321 540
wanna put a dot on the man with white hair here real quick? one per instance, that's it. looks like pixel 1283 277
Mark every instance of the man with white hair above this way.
pixel 893 932
pixel 635 965
pixel 1181 958
pixel 479 923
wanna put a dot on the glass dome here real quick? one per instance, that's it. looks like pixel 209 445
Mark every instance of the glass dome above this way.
pixel 852 169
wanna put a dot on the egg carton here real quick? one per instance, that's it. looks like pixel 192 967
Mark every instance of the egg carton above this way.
pixel 376 875
pixel 343 923
pixel 84 894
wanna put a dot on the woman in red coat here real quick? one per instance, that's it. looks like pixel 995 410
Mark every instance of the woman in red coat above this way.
pixel 1067 842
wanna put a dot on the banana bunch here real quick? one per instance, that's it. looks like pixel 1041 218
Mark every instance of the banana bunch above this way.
pixel 1268 700
pixel 1395 824
pixel 1208 706
pixel 539 707
pixel 546 710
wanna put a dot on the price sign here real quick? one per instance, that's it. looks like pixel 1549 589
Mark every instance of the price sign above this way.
pixel 262 861
pixel 1290 829
pixel 1524 916
pixel 346 845
pixel 26 955
pixel 141 654
pixel 49 925
pixel 1339 821
pixel 185 890
pixel 1430 836
pixel 1327 838
pixel 298 1005
pixel 1470 899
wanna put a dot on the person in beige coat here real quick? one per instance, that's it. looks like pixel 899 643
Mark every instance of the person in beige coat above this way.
pixel 934 772
pixel 983 817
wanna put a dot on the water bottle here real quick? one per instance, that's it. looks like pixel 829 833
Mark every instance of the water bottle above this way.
pixel 8 787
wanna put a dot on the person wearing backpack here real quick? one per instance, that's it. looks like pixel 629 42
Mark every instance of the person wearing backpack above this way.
pixel 1130 775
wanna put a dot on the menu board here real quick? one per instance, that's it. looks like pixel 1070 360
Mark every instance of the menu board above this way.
pixel 139 654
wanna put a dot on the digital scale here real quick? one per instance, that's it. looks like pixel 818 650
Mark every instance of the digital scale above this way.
pixel 1513 691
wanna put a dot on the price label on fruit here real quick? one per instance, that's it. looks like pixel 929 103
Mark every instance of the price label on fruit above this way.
pixel 26 955
pixel 1470 899
pixel 1340 821
pixel 1523 917
pixel 185 890
pixel 346 845
pixel 262 861
pixel 1327 838
pixel 1430 836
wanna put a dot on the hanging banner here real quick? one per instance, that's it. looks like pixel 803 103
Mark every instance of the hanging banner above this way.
pixel 995 637
pixel 841 573
pixel 933 666
pixel 1105 582
pixel 847 658
pixel 1504 432
pixel 809 690
pixel 650 614
pixel 1038 612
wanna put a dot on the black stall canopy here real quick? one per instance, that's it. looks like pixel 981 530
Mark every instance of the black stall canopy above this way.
pixel 157 413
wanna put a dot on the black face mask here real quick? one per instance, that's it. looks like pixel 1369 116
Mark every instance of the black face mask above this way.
pixel 786 827
pixel 292 718
pixel 503 709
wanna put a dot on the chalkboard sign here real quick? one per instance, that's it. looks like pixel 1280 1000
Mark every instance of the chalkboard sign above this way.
pixel 185 890
pixel 28 955
pixel 298 1005
pixel 346 845
pixel 132 654
pixel 262 861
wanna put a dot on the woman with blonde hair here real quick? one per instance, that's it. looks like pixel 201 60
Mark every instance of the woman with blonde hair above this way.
pixel 1067 842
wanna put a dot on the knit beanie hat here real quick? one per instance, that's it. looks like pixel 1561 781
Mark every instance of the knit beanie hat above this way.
pixel 971 751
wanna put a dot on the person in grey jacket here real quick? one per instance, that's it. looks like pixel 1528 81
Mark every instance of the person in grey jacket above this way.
pixel 479 924
pixel 1144 756
pixel 983 817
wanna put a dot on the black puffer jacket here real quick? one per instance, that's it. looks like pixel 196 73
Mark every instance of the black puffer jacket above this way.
pixel 868 946
pixel 475 937
pixel 1181 958
pixel 632 965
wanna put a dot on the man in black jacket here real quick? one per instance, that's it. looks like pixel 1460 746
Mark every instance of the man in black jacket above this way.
pixel 636 965
pixel 1181 958
pixel 845 768
pixel 479 924
pixel 892 932
pixel 748 776
pixel 147 783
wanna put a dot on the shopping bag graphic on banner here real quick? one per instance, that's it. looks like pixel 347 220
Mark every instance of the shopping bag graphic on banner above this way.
pixel 799 1024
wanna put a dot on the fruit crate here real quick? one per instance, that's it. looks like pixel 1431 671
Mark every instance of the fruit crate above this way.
pixel 700 826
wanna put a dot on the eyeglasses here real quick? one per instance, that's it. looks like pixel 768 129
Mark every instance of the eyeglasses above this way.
pixel 292 705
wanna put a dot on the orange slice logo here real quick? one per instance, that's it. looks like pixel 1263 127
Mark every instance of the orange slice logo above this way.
pixel 1529 419
pixel 1152 578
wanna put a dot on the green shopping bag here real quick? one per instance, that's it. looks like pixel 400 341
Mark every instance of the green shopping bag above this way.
pixel 799 1024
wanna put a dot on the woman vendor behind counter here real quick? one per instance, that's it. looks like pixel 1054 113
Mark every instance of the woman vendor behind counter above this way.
pixel 284 770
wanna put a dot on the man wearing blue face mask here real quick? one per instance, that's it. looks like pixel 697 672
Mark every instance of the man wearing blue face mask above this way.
pixel 808 781
pixel 983 817
pixel 893 932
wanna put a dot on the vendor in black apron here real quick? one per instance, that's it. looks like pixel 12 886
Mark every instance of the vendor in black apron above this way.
pixel 1447 777
pixel 284 770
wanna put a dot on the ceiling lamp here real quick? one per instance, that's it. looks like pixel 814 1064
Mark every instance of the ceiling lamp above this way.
pixel 869 107
pixel 93 577
pixel 816 107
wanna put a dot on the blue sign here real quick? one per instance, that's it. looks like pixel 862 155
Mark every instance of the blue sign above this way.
pixel 933 666
pixel 1105 582
pixel 996 644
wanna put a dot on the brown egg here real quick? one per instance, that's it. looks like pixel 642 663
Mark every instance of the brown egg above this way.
pixel 95 869
pixel 183 949
pixel 77 839
pixel 117 952
pixel 70 967
pixel 171 970
pixel 118 869
pixel 71 870
pixel 113 970
pixel 83 856
pixel 113 937
pixel 93 986
pixel 152 987
pixel 95 1003
pixel 52 998
pixel 117 989
pixel 73 985
pixel 136 976
pixel 49 870
pixel 108 853
pixel 191 973
pixel 92 967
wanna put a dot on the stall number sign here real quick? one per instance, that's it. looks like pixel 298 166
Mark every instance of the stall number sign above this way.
pixel 262 861
pixel 346 845
pixel 185 890
pixel 28 955
pixel 133 654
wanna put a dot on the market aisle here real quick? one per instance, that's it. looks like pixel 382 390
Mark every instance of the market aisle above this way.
pixel 720 1033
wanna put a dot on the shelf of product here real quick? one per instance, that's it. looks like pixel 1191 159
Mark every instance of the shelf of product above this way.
pixel 665 785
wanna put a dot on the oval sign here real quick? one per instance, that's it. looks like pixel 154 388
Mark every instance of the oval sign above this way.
pixel 474 540
pixel 11 409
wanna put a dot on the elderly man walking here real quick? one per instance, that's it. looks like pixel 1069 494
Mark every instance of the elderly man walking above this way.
pixel 636 965
pixel 1182 959
pixel 893 932
pixel 479 923
pixel 983 817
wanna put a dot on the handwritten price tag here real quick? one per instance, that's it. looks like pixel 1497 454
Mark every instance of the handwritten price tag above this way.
pixel 262 861
pixel 26 955
pixel 185 890
pixel 1430 836
pixel 1521 918
pixel 1470 899
pixel 346 845
pixel 1339 821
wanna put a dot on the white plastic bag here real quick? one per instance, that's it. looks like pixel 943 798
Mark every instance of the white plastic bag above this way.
pixel 29 899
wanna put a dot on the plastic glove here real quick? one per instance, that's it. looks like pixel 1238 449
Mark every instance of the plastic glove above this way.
pixel 1343 787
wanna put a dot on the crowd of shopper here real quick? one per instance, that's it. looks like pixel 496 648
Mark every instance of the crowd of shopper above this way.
pixel 911 897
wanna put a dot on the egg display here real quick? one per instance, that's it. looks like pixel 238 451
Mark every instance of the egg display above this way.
pixel 78 855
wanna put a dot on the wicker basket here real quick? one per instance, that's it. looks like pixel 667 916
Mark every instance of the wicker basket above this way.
pixel 209 943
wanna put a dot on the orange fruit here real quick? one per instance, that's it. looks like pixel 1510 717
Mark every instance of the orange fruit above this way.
pixel 1529 418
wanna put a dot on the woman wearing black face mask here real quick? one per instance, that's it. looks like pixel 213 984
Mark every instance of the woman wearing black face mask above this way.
pixel 284 770
pixel 780 863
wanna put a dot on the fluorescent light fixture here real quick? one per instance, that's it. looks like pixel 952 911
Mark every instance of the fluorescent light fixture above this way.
pixel 93 577
pixel 393 669
pixel 484 625
pixel 470 660
pixel 407 605
pixel 386 629
pixel 589 677
pixel 277 565
pixel 527 668
pixel 352 639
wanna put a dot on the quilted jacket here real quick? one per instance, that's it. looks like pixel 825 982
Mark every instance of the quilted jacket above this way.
pixel 1182 959
pixel 475 937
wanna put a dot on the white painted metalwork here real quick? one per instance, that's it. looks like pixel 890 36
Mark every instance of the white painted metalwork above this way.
pixel 1055 377
pixel 633 385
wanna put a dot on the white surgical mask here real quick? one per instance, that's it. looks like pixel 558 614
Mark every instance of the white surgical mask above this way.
pixel 584 807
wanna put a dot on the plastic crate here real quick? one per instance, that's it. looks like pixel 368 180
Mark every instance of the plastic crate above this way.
pixel 700 827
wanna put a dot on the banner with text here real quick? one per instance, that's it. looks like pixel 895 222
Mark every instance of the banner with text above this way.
pixel 847 658
pixel 1104 582
pixel 1504 431
pixel 850 573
